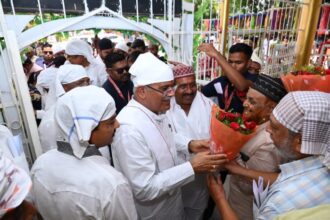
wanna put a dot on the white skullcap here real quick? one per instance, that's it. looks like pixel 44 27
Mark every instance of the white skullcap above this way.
pixel 15 184
pixel 46 78
pixel 255 58
pixel 58 48
pixel 122 46
pixel 80 47
pixel 79 112
pixel 67 73
pixel 148 69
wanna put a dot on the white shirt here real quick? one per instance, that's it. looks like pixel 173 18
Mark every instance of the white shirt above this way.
pixel 194 126
pixel 97 73
pixel 144 151
pixel 65 187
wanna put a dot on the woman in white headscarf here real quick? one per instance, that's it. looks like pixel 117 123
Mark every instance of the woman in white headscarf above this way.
pixel 74 181
pixel 68 77
pixel 80 52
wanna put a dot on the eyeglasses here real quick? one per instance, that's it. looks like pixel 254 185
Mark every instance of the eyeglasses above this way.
pixel 166 93
pixel 120 70
pixel 48 52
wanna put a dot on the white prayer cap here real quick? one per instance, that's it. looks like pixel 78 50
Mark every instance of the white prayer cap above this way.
pixel 122 46
pixel 67 73
pixel 80 47
pixel 15 184
pixel 58 48
pixel 148 69
pixel 255 58
pixel 79 112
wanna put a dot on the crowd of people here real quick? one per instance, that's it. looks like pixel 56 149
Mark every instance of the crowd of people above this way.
pixel 126 135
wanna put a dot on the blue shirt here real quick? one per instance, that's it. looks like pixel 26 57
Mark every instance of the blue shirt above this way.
pixel 213 89
pixel 302 184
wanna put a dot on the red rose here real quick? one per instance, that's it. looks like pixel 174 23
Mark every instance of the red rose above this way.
pixel 234 125
pixel 230 116
pixel 222 116
pixel 250 125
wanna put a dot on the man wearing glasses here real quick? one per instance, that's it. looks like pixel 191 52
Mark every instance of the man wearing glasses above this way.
pixel 118 85
pixel 144 149
pixel 47 59
pixel 190 116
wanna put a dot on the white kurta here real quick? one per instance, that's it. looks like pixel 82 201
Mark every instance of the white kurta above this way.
pixel 144 151
pixel 97 73
pixel 65 187
pixel 194 126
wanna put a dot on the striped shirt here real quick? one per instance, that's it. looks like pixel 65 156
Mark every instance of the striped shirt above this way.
pixel 302 184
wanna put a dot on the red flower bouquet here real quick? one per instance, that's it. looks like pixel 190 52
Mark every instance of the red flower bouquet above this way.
pixel 310 78
pixel 229 132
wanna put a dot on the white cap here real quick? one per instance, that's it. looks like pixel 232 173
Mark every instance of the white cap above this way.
pixel 255 58
pixel 148 69
pixel 122 46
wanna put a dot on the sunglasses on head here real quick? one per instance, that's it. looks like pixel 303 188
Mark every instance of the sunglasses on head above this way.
pixel 120 70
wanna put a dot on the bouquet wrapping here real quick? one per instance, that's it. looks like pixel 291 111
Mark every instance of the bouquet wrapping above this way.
pixel 229 132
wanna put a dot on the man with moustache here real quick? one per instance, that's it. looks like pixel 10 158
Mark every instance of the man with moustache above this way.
pixel 190 116
pixel 118 85
pixel 144 149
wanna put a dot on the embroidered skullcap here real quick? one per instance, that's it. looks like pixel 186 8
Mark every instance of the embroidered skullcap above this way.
pixel 148 69
pixel 79 112
pixel 307 113
pixel 269 86
pixel 105 43
pixel 15 184
pixel 122 46
pixel 80 47
pixel 182 70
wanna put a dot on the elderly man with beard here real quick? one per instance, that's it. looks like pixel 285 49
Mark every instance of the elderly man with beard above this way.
pixel 190 116
pixel 300 129
pixel 144 149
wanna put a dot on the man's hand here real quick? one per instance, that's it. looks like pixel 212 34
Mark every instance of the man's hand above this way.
pixel 208 49
pixel 215 187
pixel 204 162
pixel 196 146
pixel 233 167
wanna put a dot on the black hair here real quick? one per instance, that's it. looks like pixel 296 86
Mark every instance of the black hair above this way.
pixel 59 61
pixel 27 61
pixel 129 44
pixel 46 45
pixel 241 48
pixel 113 58
pixel 105 43
pixel 133 56
pixel 138 43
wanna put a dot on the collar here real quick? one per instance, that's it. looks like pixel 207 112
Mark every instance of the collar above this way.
pixel 66 148
pixel 300 166
pixel 158 118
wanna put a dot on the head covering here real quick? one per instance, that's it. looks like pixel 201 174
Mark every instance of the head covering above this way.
pixel 105 43
pixel 271 87
pixel 78 112
pixel 45 79
pixel 80 47
pixel 122 46
pixel 148 69
pixel 67 73
pixel 57 48
pixel 256 58
pixel 307 113
pixel 182 70
pixel 15 184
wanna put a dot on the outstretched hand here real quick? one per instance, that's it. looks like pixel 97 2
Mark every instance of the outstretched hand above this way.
pixel 208 49
pixel 196 146
pixel 215 187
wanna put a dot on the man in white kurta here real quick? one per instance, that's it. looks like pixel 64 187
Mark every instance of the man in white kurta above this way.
pixel 190 116
pixel 74 181
pixel 80 52
pixel 144 148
